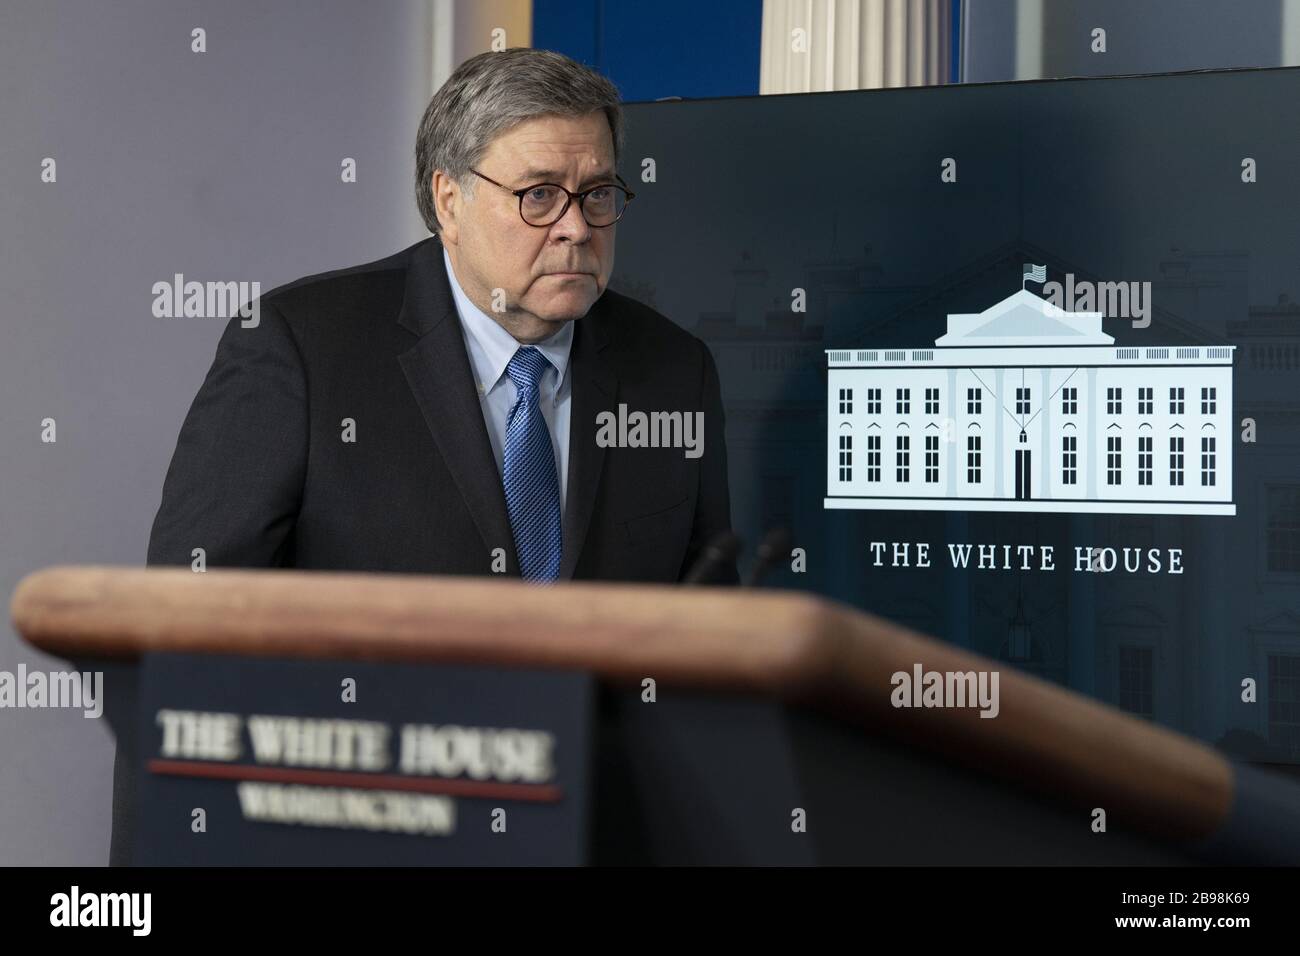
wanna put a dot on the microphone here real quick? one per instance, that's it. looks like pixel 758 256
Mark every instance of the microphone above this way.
pixel 773 548
pixel 721 547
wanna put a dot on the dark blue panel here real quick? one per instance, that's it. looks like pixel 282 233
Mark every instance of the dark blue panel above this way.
pixel 954 71
pixel 569 26
pixel 267 807
pixel 673 48
pixel 839 195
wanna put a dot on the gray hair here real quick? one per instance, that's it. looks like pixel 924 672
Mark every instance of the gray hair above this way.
pixel 492 92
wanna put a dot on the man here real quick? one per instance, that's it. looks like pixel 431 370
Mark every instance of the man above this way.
pixel 437 411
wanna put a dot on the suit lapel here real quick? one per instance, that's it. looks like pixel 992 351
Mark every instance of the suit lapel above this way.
pixel 594 389
pixel 437 370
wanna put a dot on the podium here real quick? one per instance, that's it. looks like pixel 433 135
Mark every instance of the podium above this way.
pixel 290 717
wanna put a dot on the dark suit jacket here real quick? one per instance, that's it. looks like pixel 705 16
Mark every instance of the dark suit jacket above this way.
pixel 262 478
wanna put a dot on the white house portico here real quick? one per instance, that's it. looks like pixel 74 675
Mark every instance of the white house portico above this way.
pixel 1025 407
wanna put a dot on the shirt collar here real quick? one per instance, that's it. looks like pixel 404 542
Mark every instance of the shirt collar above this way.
pixel 491 347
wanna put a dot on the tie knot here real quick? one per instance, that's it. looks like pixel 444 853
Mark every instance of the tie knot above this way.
pixel 526 369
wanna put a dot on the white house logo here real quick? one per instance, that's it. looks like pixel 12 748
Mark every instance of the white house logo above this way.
pixel 1026 407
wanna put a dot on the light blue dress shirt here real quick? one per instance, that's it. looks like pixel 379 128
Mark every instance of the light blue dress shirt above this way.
pixel 490 348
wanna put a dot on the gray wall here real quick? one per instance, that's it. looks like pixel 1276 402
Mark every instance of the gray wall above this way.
pixel 222 166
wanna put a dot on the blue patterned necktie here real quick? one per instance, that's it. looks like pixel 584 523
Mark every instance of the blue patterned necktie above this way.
pixel 531 485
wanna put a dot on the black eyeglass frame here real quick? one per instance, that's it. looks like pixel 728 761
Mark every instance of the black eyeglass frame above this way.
pixel 568 199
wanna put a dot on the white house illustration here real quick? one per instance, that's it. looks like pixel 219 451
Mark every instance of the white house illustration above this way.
pixel 1026 407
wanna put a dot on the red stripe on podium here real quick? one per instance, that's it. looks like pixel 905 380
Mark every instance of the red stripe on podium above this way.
pixel 541 793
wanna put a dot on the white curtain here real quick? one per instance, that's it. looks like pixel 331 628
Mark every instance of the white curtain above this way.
pixel 811 46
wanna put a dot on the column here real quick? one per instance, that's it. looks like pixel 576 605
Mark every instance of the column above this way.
pixel 1048 449
pixel 993 456
pixel 955 447
pixel 1092 457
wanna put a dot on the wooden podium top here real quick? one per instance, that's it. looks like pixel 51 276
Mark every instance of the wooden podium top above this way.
pixel 789 645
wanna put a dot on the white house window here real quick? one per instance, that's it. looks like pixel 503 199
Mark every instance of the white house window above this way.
pixel 1022 401
pixel 932 459
pixel 1135 680
pixel 1207 460
pixel 1284 703
pixel 1175 401
pixel 846 401
pixel 1145 401
pixel 846 458
pixel 1069 401
pixel 873 401
pixel 974 401
pixel 901 455
pixel 1069 460
pixel 1114 401
pixel 1282 531
pixel 1113 459
pixel 1209 400
pixel 973 459
pixel 873 458
pixel 1144 459
pixel 1176 460
pixel 932 401
pixel 904 400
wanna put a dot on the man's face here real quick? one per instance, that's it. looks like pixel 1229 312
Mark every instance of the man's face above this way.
pixel 548 275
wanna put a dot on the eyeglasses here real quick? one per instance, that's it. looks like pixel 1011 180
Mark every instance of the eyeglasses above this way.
pixel 544 204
